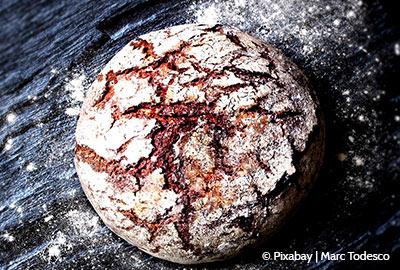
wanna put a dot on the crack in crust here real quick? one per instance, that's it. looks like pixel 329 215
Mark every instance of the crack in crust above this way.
pixel 192 137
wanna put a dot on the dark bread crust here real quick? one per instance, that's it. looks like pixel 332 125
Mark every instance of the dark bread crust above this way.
pixel 196 140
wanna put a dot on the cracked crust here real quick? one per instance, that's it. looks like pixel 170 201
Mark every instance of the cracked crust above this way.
pixel 197 140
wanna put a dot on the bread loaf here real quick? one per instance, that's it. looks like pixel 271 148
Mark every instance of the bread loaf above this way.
pixel 197 141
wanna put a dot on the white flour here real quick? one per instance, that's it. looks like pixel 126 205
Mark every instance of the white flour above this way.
pixel 76 88
pixel 310 24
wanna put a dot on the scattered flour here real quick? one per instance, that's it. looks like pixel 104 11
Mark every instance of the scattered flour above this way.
pixel 358 161
pixel 56 247
pixel 81 224
pixel 76 88
pixel 54 251
pixel 283 21
pixel 8 145
pixel 8 237
pixel 397 49
pixel 84 223
pixel 48 218
pixel 31 167
pixel 11 117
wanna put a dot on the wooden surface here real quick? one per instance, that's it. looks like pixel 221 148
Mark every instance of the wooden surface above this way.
pixel 47 223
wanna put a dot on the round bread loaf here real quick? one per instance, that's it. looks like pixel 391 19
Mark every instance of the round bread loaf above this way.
pixel 196 141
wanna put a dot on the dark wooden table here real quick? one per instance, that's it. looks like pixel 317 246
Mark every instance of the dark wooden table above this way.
pixel 47 223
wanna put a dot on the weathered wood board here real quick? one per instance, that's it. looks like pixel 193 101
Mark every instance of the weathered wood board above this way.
pixel 48 48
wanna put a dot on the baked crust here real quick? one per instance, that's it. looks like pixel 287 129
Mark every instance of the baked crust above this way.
pixel 196 141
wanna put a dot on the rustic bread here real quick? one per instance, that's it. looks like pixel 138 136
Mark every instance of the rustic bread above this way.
pixel 197 141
